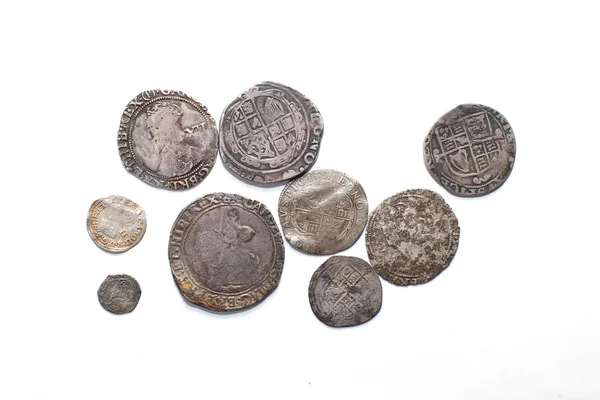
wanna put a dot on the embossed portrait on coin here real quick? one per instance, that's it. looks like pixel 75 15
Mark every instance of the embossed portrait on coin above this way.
pixel 116 220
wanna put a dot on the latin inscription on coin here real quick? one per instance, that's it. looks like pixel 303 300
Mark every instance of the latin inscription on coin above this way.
pixel 119 294
pixel 471 150
pixel 345 291
pixel 323 212
pixel 226 252
pixel 116 224
pixel 167 139
pixel 412 237
pixel 270 133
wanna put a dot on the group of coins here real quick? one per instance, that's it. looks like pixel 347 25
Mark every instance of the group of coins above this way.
pixel 226 251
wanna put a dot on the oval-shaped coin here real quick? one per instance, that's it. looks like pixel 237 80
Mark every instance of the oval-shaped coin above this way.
pixel 270 133
pixel 116 224
pixel 345 291
pixel 323 212
pixel 167 139
pixel 119 294
pixel 226 252
pixel 470 150
pixel 412 237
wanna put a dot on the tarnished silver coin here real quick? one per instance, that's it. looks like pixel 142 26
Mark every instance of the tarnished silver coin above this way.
pixel 323 212
pixel 270 133
pixel 471 150
pixel 116 224
pixel 119 294
pixel 167 139
pixel 226 252
pixel 412 237
pixel 345 291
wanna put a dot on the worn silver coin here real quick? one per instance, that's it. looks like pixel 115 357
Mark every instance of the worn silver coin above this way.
pixel 116 224
pixel 167 139
pixel 226 252
pixel 119 294
pixel 323 212
pixel 270 133
pixel 412 237
pixel 470 150
pixel 345 291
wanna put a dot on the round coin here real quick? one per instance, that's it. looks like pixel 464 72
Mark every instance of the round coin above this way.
pixel 226 252
pixel 412 237
pixel 270 133
pixel 119 294
pixel 470 151
pixel 116 224
pixel 323 212
pixel 167 139
pixel 345 291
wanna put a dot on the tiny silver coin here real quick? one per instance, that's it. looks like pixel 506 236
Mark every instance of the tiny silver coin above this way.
pixel 412 237
pixel 470 150
pixel 270 133
pixel 345 291
pixel 119 294
pixel 116 224
pixel 323 212
pixel 226 252
pixel 167 139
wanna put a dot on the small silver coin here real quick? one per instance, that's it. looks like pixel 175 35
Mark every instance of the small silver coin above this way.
pixel 167 139
pixel 345 291
pixel 119 294
pixel 323 212
pixel 226 252
pixel 116 224
pixel 270 133
pixel 412 237
pixel 470 151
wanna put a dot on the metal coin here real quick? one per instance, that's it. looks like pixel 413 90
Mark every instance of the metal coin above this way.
pixel 270 133
pixel 323 212
pixel 471 150
pixel 412 237
pixel 116 224
pixel 226 252
pixel 345 291
pixel 167 139
pixel 119 294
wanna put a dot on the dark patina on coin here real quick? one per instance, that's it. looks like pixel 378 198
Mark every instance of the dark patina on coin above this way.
pixel 412 237
pixel 323 212
pixel 226 252
pixel 270 133
pixel 167 139
pixel 119 294
pixel 471 150
pixel 345 291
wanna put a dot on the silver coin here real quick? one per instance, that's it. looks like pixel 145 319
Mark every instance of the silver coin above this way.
pixel 345 291
pixel 116 224
pixel 226 252
pixel 412 237
pixel 270 133
pixel 167 139
pixel 323 212
pixel 119 294
pixel 471 150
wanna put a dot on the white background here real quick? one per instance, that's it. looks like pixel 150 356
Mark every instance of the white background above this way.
pixel 515 316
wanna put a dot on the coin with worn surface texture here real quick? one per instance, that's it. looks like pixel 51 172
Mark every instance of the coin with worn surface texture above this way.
pixel 412 237
pixel 226 252
pixel 116 224
pixel 119 294
pixel 323 212
pixel 471 150
pixel 270 133
pixel 345 291
pixel 167 139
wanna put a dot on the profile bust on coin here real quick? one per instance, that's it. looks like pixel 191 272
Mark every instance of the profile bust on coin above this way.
pixel 119 294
